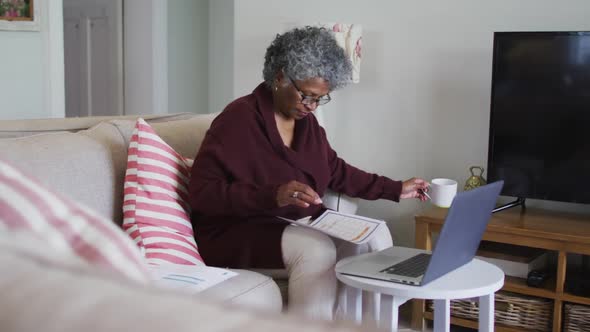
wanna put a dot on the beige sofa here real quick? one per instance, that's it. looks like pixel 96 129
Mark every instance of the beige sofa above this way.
pixel 85 159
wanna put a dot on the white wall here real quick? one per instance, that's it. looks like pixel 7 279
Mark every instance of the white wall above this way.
pixel 221 54
pixel 31 74
pixel 188 70
pixel 422 105
pixel 22 75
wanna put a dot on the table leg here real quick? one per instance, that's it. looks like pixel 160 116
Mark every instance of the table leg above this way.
pixel 354 304
pixel 486 313
pixel 442 315
pixel 371 306
pixel 423 241
pixel 390 311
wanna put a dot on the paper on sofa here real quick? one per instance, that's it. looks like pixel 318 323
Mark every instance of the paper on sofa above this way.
pixel 188 278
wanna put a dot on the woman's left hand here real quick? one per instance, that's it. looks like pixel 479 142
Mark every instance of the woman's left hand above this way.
pixel 414 188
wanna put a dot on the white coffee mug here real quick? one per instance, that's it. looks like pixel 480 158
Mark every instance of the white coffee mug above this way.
pixel 442 192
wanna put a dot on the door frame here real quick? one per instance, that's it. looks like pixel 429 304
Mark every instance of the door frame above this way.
pixel 145 56
pixel 119 64
pixel 151 77
pixel 51 23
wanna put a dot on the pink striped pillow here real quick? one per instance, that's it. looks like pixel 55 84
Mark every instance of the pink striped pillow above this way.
pixel 66 226
pixel 155 208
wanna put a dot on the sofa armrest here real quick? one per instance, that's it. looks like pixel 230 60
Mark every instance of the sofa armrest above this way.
pixel 340 202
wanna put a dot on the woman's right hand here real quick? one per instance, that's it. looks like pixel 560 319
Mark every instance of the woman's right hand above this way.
pixel 415 188
pixel 297 193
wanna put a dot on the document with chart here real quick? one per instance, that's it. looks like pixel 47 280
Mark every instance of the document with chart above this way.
pixel 190 279
pixel 348 227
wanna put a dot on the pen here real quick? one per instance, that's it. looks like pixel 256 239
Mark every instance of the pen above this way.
pixel 425 194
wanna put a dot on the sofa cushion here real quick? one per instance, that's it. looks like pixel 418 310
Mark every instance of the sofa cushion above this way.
pixel 67 227
pixel 184 136
pixel 88 166
pixel 65 153
pixel 156 210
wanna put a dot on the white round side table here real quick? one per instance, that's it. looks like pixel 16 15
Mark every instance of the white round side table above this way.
pixel 476 279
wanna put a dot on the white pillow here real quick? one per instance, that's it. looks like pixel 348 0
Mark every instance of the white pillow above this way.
pixel 65 226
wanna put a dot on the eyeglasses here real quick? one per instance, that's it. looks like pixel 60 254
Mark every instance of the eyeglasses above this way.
pixel 308 100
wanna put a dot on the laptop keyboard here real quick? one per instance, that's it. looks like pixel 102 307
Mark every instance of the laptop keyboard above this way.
pixel 411 267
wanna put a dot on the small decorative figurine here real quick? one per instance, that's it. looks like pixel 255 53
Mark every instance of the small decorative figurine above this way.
pixel 475 181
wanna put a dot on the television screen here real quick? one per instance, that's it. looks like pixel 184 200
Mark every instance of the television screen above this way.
pixel 539 140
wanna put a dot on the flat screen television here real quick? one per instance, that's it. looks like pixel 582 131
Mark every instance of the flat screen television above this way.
pixel 539 140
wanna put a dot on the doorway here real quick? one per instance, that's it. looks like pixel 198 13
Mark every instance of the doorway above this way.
pixel 93 56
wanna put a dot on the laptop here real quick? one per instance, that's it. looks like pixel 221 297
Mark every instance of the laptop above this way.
pixel 457 243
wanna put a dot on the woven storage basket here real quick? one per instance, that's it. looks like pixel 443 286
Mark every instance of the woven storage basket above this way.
pixel 515 310
pixel 577 318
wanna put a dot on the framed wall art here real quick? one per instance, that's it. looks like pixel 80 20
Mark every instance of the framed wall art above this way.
pixel 19 15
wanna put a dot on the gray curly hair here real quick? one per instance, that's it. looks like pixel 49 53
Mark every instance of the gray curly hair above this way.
pixel 307 52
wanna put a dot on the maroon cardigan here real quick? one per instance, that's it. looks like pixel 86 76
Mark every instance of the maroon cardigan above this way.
pixel 238 169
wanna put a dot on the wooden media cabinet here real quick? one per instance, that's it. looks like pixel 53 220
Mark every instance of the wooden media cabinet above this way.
pixel 559 232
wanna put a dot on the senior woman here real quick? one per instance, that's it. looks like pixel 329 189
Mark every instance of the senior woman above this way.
pixel 265 156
